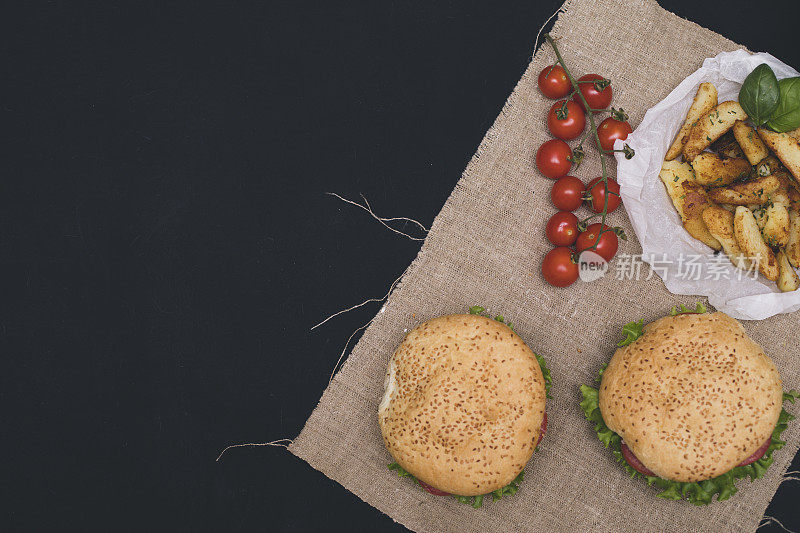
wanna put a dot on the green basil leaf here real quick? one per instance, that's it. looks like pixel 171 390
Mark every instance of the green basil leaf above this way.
pixel 759 95
pixel 786 116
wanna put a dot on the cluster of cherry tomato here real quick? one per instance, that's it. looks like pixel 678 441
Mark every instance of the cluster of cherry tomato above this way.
pixel 566 120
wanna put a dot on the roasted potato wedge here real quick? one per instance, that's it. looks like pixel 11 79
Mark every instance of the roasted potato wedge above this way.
pixel 749 193
pixel 704 101
pixel 752 244
pixel 788 280
pixel 723 142
pixel 781 196
pixel 711 171
pixel 760 214
pixel 726 146
pixel 794 198
pixel 776 225
pixel 793 245
pixel 795 186
pixel 788 187
pixel 719 222
pixel 753 147
pixel 768 165
pixel 697 229
pixel 785 147
pixel 689 199
pixel 711 127
pixel 732 150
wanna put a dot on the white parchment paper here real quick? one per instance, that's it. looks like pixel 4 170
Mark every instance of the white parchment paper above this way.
pixel 666 246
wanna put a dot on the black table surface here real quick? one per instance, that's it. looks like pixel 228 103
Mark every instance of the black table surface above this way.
pixel 167 244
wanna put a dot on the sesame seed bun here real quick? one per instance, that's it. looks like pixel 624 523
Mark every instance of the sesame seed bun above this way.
pixel 692 397
pixel 464 402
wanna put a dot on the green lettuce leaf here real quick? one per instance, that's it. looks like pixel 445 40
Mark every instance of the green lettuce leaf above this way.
pixel 402 472
pixel 698 493
pixel 474 501
pixel 632 331
pixel 699 309
pixel 510 489
pixel 548 380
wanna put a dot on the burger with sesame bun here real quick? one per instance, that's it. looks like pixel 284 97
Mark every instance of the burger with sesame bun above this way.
pixel 691 404
pixel 464 406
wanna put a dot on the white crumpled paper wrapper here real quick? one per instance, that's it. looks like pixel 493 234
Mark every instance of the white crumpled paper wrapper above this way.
pixel 666 245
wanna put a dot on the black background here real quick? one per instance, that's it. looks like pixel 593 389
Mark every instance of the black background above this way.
pixel 166 243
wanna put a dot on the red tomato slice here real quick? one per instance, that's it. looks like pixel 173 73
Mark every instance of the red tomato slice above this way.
pixel 433 490
pixel 543 428
pixel 542 431
pixel 632 460
pixel 637 465
pixel 758 454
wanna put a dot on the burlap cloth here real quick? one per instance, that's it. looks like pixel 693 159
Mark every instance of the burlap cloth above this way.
pixel 485 247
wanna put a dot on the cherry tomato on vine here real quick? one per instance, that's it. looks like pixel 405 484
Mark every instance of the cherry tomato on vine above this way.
pixel 554 158
pixel 596 99
pixel 558 267
pixel 612 129
pixel 596 195
pixel 553 82
pixel 566 126
pixel 562 229
pixel 567 193
pixel 607 246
